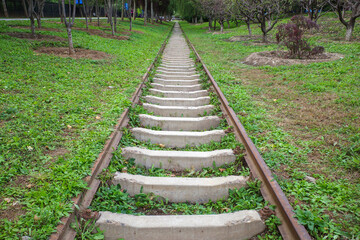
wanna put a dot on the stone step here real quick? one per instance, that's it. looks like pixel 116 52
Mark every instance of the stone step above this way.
pixel 175 82
pixel 177 139
pixel 180 123
pixel 189 88
pixel 173 111
pixel 228 226
pixel 177 77
pixel 179 94
pixel 187 102
pixel 180 189
pixel 178 160
pixel 177 65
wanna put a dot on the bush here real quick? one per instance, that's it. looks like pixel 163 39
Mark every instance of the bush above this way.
pixel 291 36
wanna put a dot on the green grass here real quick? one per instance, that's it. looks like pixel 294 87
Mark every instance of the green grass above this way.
pixel 55 116
pixel 263 97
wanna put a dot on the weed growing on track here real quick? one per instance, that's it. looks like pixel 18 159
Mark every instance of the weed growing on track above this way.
pixel 55 116
pixel 264 97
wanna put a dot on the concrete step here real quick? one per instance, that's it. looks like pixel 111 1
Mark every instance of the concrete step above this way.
pixel 175 82
pixel 173 111
pixel 184 73
pixel 189 88
pixel 177 77
pixel 180 123
pixel 177 65
pixel 193 102
pixel 179 94
pixel 176 69
pixel 228 226
pixel 178 160
pixel 180 189
pixel 177 139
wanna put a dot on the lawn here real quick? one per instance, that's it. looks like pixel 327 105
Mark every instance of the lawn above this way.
pixel 304 119
pixel 56 114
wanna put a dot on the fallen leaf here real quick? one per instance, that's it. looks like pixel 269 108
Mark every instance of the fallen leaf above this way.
pixel 30 148
pixel 7 200
pixel 69 127
pixel 98 117
pixel 221 169
pixel 161 145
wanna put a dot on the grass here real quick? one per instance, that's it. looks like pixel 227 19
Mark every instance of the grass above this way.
pixel 304 119
pixel 55 116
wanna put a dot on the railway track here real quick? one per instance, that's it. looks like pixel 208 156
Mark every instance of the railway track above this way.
pixel 181 116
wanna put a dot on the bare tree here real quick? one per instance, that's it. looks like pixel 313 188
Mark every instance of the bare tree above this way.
pixel 340 7
pixel 244 14
pixel 23 3
pixel 122 10
pixel 314 8
pixel 152 11
pixel 109 6
pixel 38 11
pixel 97 12
pixel 31 14
pixel 5 8
pixel 130 17
pixel 69 23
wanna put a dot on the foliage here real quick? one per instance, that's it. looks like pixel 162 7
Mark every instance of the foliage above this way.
pixel 291 36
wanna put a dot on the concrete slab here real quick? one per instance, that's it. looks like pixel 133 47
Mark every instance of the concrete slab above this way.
pixel 180 123
pixel 178 160
pixel 179 94
pixel 189 88
pixel 174 111
pixel 193 102
pixel 177 139
pixel 229 226
pixel 181 189
pixel 176 82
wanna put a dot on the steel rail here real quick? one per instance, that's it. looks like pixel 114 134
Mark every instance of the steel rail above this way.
pixel 290 228
pixel 83 200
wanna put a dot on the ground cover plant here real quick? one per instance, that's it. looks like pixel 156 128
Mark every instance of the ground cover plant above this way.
pixel 56 114
pixel 304 119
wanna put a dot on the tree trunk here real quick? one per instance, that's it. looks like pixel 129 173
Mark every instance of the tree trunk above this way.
pixel 210 25
pixel 195 20
pixel 130 17
pixel 110 10
pixel 38 20
pixel 152 11
pixel 115 15
pixel 5 9
pixel 122 10
pixel 86 13
pixel 31 16
pixel 24 5
pixel 228 23
pixel 221 26
pixel 61 12
pixel 249 28
pixel 97 12
pixel 134 12
pixel 214 25
pixel 201 19
pixel 145 13
pixel 70 41
pixel 264 38
pixel 349 30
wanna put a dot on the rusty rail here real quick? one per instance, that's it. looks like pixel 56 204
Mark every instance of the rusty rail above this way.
pixel 83 200
pixel 270 189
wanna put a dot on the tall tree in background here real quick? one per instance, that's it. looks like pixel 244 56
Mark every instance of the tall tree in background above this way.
pixel 122 10
pixel 5 8
pixel 69 23
pixel 314 8
pixel 23 3
pixel 152 11
pixel 86 12
pixel 39 11
pixel 109 7
pixel 130 17
pixel 145 12
pixel 340 7
pixel 244 14
pixel 31 13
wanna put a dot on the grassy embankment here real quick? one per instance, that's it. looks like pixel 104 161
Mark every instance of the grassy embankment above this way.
pixel 304 119
pixel 55 116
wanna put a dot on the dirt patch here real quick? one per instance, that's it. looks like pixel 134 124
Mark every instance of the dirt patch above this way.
pixel 57 152
pixel 13 211
pixel 102 34
pixel 274 58
pixel 21 181
pixel 39 37
pixel 243 38
pixel 79 53
pixel 39 29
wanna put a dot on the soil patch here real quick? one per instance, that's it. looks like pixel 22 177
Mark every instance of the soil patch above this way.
pixel 58 152
pixel 12 212
pixel 38 36
pixel 39 29
pixel 274 58
pixel 102 34
pixel 21 181
pixel 243 38
pixel 79 53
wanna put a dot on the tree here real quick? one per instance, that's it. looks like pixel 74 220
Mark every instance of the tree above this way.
pixel 38 11
pixel 5 8
pixel 145 12
pixel 340 7
pixel 265 12
pixel 109 6
pixel 69 23
pixel 244 14
pixel 31 13
pixel 314 8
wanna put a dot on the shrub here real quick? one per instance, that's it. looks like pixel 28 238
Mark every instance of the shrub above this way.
pixel 291 36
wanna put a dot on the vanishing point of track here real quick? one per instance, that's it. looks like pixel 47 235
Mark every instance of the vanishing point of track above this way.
pixel 178 103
